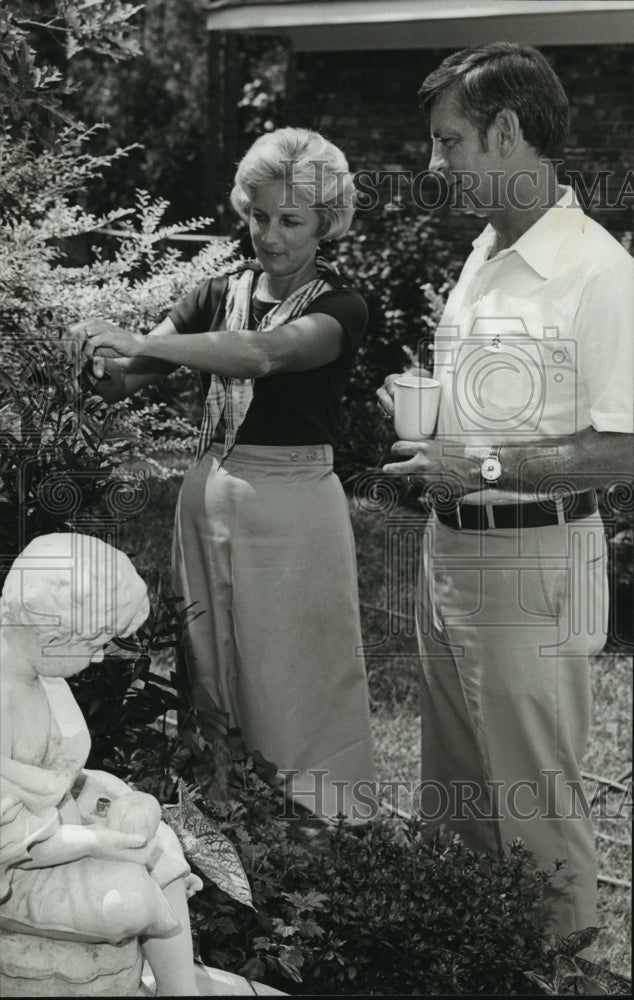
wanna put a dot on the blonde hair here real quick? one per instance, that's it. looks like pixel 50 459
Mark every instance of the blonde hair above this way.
pixel 316 171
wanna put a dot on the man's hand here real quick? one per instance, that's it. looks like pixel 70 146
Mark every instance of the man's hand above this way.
pixel 385 394
pixel 435 463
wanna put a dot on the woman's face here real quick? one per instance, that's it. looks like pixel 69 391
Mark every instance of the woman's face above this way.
pixel 284 236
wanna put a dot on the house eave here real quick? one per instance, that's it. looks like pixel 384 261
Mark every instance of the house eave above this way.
pixel 336 25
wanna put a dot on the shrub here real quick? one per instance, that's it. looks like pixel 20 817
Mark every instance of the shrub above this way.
pixel 160 100
pixel 388 908
pixel 126 703
pixel 383 911
pixel 60 443
pixel 398 261
pixel 423 915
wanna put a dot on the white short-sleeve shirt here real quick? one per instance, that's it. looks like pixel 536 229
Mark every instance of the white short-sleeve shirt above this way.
pixel 538 340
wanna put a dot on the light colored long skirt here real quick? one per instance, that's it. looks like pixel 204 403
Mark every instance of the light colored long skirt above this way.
pixel 264 544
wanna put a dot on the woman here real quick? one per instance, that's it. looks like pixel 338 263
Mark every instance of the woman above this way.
pixel 263 541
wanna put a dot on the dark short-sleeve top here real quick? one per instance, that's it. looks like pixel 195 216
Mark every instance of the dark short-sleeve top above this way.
pixel 289 408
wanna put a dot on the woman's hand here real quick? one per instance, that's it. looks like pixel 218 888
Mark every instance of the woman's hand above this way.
pixel 98 362
pixel 101 335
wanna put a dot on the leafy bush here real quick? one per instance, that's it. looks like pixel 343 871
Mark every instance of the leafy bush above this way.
pixel 379 913
pixel 39 39
pixel 159 100
pixel 398 261
pixel 265 69
pixel 61 443
pixel 385 908
pixel 126 703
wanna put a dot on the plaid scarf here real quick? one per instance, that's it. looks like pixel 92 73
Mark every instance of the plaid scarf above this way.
pixel 231 397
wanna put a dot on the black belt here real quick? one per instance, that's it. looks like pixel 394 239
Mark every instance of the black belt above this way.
pixel 532 514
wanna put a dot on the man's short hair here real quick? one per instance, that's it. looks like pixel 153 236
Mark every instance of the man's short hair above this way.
pixel 486 78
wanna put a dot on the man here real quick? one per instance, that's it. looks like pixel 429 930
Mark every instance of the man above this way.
pixel 534 354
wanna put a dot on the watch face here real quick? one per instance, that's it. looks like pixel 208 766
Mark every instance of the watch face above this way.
pixel 491 470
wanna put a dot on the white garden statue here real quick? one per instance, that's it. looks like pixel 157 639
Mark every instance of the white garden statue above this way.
pixel 83 898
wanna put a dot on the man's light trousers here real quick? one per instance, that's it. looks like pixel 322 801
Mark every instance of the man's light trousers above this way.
pixel 507 621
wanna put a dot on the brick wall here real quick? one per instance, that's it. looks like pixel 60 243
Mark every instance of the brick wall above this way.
pixel 367 103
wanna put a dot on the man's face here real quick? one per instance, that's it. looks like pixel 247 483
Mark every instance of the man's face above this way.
pixel 473 174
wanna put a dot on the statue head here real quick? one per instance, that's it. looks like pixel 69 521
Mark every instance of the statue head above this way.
pixel 66 596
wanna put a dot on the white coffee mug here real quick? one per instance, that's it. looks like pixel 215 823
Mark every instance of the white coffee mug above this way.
pixel 416 400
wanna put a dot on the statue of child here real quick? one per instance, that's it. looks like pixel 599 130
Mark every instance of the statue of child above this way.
pixel 61 875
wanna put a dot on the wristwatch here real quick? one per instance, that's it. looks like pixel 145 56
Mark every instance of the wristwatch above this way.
pixel 491 468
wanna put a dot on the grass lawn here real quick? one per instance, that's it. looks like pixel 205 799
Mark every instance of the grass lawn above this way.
pixel 392 665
